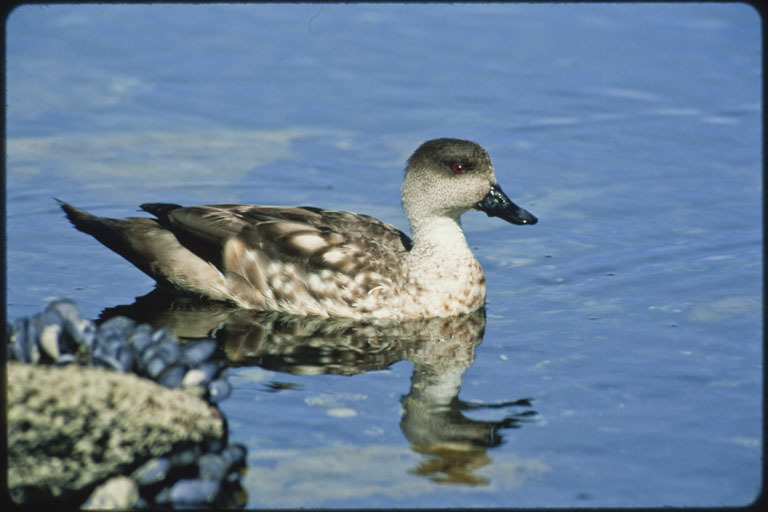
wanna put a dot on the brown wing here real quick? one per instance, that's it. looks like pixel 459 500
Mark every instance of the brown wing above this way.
pixel 314 238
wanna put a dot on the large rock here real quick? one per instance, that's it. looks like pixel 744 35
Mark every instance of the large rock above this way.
pixel 71 427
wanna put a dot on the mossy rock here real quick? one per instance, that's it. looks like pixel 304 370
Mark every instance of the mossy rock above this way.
pixel 70 428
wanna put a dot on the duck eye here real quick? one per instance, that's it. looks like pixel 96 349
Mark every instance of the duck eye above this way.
pixel 458 168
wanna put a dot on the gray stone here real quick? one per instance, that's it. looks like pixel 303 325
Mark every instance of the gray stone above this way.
pixel 118 493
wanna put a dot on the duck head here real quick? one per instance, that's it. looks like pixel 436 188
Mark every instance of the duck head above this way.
pixel 447 177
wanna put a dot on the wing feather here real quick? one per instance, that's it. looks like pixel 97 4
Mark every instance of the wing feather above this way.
pixel 314 238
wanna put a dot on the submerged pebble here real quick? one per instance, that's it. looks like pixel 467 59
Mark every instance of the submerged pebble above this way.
pixel 50 325
pixel 155 366
pixel 66 359
pixel 219 390
pixel 78 331
pixel 194 491
pixel 19 344
pixel 202 375
pixel 107 361
pixel 119 493
pixel 198 352
pixel 169 350
pixel 211 467
pixel 125 357
pixel 153 471
pixel 172 376
pixel 162 334
pixel 140 338
pixel 186 457
pixel 118 325
pixel 234 455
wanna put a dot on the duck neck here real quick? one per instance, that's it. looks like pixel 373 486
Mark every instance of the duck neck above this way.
pixel 440 237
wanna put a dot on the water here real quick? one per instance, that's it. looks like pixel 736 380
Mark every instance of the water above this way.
pixel 630 315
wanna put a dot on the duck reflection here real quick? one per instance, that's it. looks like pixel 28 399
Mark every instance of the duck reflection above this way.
pixel 454 445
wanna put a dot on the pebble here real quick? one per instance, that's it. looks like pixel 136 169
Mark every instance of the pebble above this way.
pixel 118 493
pixel 140 338
pixel 211 467
pixel 194 491
pixel 169 350
pixel 203 374
pixel 66 359
pixel 153 471
pixel 107 361
pixel 234 455
pixel 219 390
pixel 172 376
pixel 19 342
pixel 51 326
pixel 186 457
pixel 155 366
pixel 198 352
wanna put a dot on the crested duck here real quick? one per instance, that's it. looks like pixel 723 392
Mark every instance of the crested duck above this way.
pixel 310 261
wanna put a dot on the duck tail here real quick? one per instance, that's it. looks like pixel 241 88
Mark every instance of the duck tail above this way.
pixel 120 235
pixel 98 227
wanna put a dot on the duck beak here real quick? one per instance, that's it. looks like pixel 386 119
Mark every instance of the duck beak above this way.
pixel 497 204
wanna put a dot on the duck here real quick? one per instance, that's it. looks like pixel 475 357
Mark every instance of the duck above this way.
pixel 308 261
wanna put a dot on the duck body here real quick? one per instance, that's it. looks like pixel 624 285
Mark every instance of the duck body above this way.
pixel 310 261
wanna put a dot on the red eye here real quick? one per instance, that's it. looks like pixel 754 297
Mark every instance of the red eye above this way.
pixel 458 168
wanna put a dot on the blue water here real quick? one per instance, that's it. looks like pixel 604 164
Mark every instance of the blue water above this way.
pixel 630 315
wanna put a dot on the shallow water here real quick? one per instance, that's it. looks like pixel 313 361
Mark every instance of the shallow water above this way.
pixel 630 315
